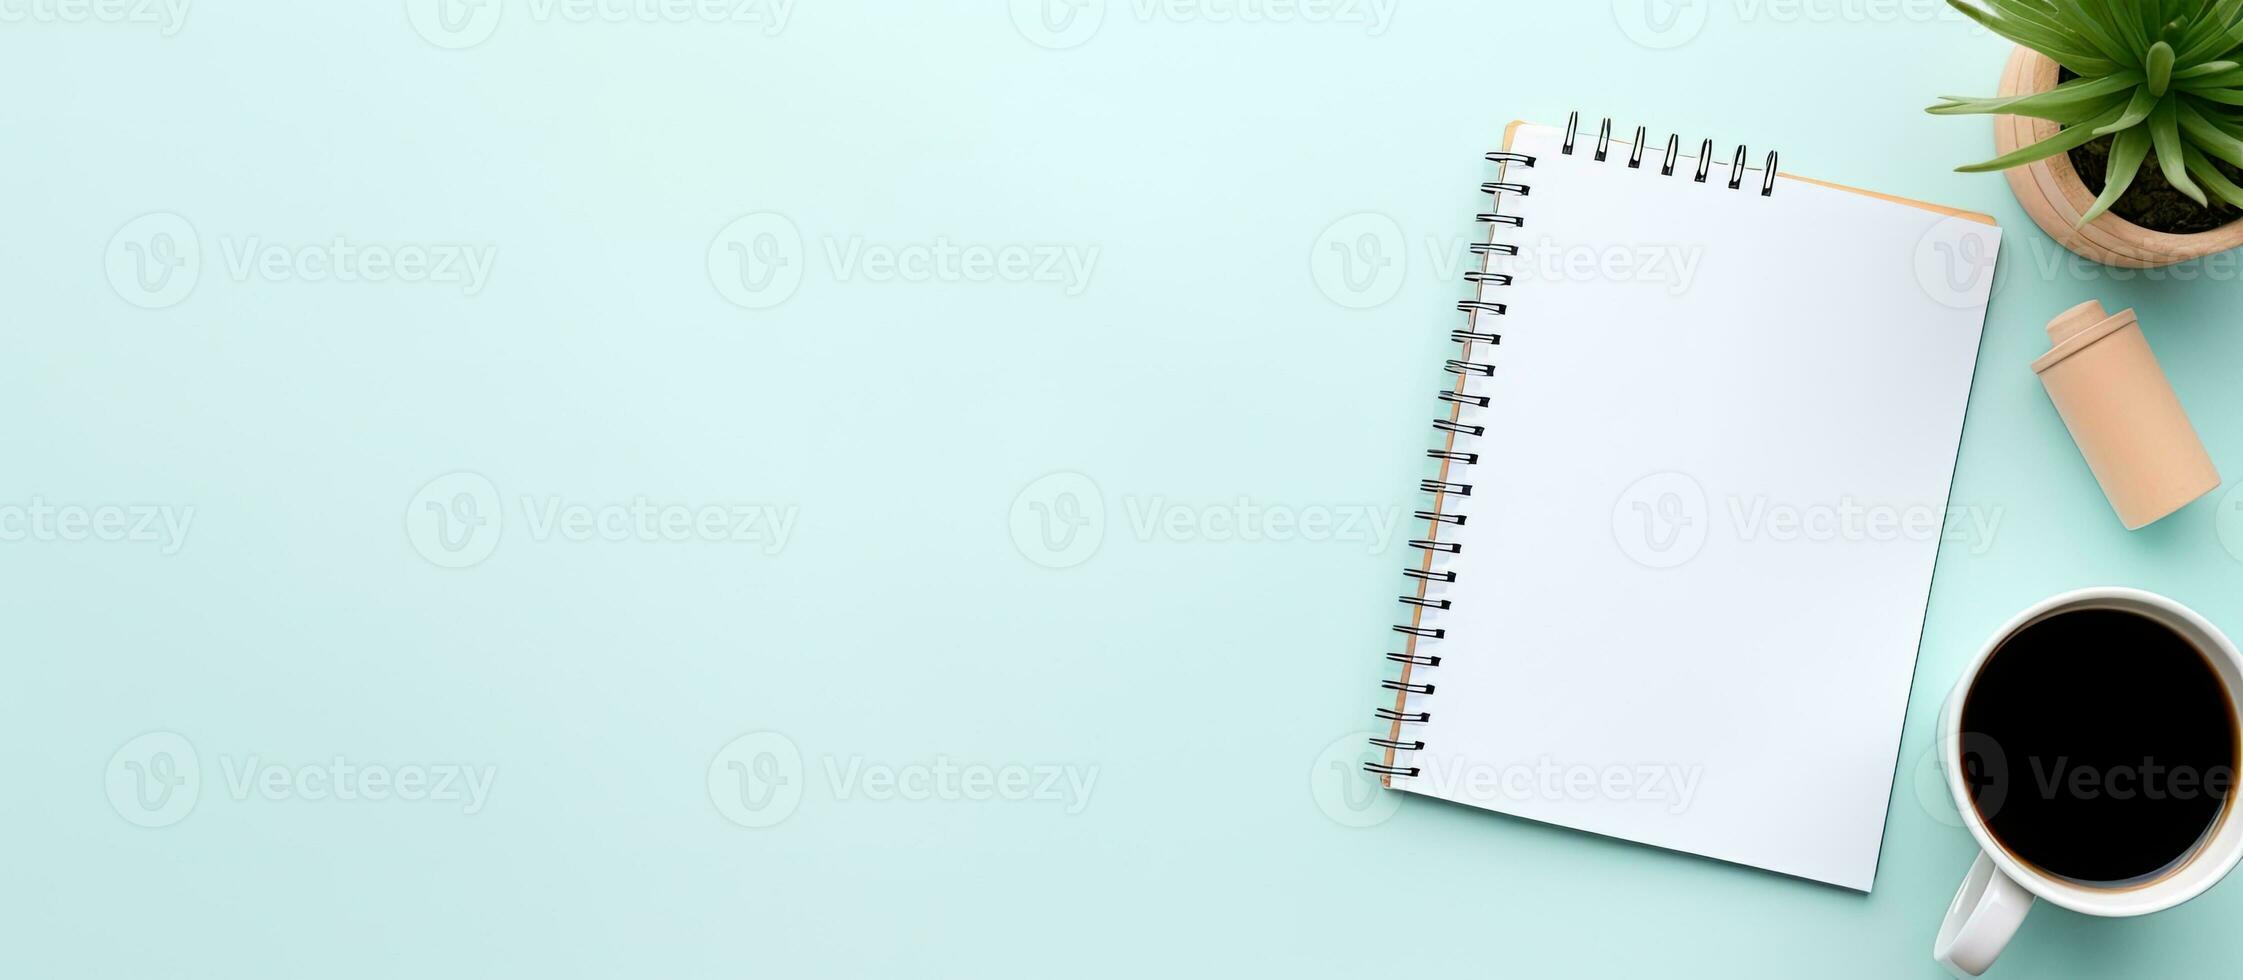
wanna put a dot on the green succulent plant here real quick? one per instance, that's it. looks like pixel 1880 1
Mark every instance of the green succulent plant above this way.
pixel 2154 75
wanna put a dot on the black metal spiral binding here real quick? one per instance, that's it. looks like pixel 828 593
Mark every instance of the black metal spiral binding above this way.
pixel 1465 367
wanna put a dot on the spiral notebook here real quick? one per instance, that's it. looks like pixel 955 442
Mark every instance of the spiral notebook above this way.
pixel 1693 480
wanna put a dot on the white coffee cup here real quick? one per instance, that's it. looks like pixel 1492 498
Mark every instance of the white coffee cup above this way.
pixel 2000 889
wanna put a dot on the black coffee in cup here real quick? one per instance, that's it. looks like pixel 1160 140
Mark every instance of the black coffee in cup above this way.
pixel 2099 746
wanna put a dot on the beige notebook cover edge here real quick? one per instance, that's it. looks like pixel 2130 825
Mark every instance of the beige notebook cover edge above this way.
pixel 1984 219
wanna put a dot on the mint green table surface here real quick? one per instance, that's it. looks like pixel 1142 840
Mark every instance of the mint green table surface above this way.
pixel 1093 241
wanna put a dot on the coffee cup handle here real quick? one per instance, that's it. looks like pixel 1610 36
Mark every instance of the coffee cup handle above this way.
pixel 1986 912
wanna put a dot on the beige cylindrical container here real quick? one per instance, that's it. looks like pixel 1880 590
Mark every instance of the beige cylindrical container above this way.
pixel 2121 411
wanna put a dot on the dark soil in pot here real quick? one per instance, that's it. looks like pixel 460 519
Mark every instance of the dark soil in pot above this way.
pixel 2151 201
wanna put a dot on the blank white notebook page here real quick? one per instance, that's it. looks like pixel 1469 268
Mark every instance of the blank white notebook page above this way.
pixel 1714 478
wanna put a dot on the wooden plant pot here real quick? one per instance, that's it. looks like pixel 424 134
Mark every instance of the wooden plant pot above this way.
pixel 2054 196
